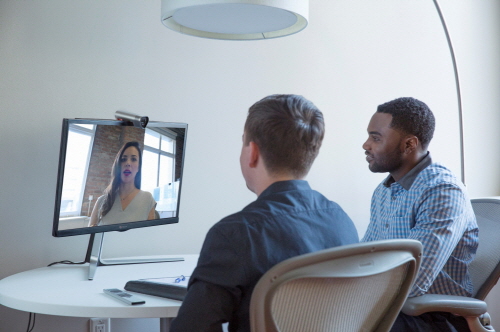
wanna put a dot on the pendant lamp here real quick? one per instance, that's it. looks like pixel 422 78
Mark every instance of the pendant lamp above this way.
pixel 235 20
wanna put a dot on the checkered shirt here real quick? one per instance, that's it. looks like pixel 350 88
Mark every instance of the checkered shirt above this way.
pixel 435 210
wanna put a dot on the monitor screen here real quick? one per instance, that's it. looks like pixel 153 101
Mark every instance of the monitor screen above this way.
pixel 114 176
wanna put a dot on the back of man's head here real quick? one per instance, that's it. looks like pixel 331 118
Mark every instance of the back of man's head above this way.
pixel 288 129
pixel 411 116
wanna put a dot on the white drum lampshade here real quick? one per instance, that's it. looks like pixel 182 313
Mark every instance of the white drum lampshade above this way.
pixel 235 20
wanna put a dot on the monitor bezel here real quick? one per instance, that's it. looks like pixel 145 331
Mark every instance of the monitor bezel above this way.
pixel 116 227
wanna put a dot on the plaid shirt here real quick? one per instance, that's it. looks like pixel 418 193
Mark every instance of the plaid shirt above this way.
pixel 430 205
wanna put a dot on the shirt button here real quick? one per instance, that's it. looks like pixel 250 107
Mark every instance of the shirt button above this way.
pixel 393 198
pixel 386 225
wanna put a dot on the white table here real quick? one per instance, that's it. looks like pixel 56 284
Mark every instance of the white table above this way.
pixel 64 290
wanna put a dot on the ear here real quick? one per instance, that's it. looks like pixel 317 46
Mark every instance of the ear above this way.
pixel 254 154
pixel 410 144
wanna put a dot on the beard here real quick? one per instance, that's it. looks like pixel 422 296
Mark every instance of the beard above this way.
pixel 388 163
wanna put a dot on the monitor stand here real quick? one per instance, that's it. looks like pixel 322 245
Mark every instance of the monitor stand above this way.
pixel 94 250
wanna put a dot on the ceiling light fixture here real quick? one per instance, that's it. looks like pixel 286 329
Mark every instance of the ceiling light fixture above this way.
pixel 235 20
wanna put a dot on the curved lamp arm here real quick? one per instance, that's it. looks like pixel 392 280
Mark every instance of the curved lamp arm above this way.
pixel 459 95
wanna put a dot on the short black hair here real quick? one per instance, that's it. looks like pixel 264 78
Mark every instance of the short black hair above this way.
pixel 411 116
pixel 289 130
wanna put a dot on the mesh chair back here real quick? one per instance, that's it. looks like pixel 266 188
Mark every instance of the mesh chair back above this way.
pixel 359 287
pixel 485 269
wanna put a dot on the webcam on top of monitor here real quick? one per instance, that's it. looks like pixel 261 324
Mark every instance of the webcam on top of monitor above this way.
pixel 137 120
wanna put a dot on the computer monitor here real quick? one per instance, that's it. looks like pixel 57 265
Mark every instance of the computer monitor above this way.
pixel 91 173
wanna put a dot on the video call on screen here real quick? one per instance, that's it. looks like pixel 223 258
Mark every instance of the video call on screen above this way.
pixel 90 152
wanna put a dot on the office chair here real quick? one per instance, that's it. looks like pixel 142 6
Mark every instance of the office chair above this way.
pixel 357 287
pixel 484 272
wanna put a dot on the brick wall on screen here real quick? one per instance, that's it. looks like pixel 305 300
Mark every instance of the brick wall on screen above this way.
pixel 107 143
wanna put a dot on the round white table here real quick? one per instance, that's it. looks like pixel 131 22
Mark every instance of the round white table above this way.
pixel 64 290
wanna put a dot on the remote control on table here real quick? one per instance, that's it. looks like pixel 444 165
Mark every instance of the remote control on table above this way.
pixel 124 296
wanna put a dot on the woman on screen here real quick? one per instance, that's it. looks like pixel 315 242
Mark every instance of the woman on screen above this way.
pixel 123 200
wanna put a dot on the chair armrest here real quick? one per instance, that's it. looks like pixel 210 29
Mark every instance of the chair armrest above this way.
pixel 458 305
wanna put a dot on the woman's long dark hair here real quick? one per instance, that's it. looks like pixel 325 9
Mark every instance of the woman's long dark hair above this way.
pixel 116 179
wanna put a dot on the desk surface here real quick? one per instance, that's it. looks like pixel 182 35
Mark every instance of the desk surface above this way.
pixel 64 290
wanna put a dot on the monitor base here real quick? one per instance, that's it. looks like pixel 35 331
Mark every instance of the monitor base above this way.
pixel 94 250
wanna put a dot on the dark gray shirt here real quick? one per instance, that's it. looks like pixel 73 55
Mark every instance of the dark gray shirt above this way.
pixel 286 220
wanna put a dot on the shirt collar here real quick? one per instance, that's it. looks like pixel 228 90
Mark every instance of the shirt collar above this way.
pixel 285 186
pixel 407 180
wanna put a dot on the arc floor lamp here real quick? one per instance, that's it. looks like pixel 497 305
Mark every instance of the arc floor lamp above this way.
pixel 459 94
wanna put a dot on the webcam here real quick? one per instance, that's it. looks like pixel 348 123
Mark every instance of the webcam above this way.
pixel 137 120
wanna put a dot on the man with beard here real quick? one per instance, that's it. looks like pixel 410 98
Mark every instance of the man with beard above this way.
pixel 420 200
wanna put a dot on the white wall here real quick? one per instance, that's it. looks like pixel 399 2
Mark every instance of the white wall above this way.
pixel 89 58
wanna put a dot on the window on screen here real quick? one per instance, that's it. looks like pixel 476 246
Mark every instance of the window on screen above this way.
pixel 159 159
pixel 80 139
